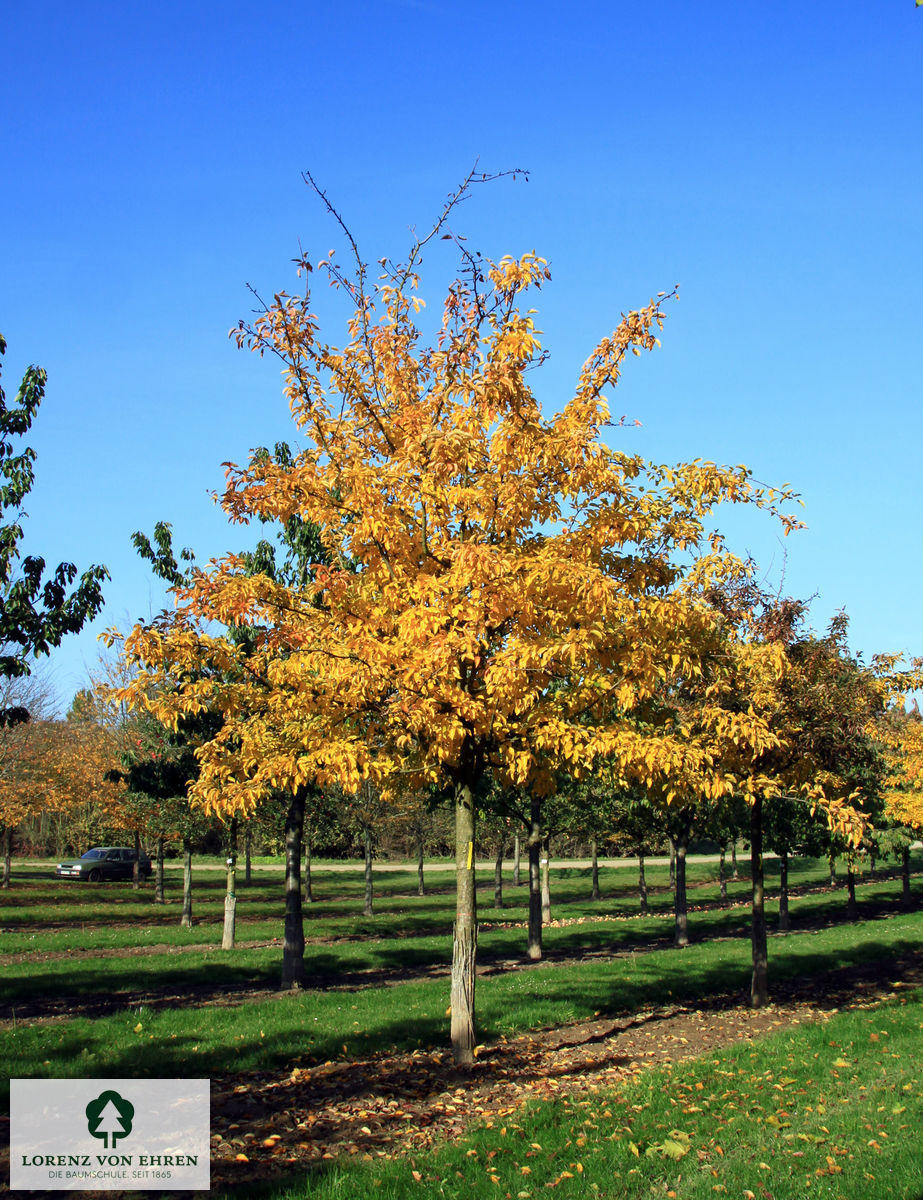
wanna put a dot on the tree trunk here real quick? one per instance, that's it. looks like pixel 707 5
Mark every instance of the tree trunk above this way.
pixel 465 937
pixel 759 985
pixel 293 938
pixel 594 893
pixel 159 897
pixel 642 886
pixel 230 894
pixel 367 848
pixel 534 846
pixel 498 875
pixel 136 865
pixel 186 919
pixel 851 910
pixel 905 877
pixel 517 852
pixel 248 844
pixel 734 867
pixel 832 860
pixel 308 890
pixel 8 857
pixel 672 863
pixel 546 881
pixel 421 890
pixel 784 923
pixel 679 845
pixel 722 876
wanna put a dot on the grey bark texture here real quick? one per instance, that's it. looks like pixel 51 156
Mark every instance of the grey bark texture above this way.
pixel 759 983
pixel 465 936
pixel 293 935
pixel 186 918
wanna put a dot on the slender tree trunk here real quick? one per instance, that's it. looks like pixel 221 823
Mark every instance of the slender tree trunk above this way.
pixel 308 889
pixel 680 844
pixel 759 985
pixel 293 937
pixel 230 895
pixel 136 865
pixel 851 910
pixel 421 890
pixel 186 919
pixel 722 876
pixel 905 877
pixel 594 894
pixel 248 846
pixel 534 846
pixel 734 866
pixel 8 856
pixel 642 886
pixel 367 848
pixel 159 897
pixel 546 881
pixel 672 863
pixel 498 875
pixel 873 859
pixel 517 852
pixel 831 857
pixel 465 938
pixel 784 923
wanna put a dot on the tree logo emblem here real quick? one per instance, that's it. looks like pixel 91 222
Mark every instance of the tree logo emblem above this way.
pixel 109 1116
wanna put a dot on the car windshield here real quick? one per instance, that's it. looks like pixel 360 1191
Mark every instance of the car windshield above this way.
pixel 94 854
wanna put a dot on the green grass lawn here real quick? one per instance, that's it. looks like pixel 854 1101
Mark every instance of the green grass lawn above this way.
pixel 68 914
pixel 602 959
pixel 408 932
pixel 313 1026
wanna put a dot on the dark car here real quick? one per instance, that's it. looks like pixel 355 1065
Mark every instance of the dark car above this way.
pixel 104 862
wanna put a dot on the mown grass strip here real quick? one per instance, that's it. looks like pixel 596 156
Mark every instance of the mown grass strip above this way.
pixel 391 941
pixel 316 1026
pixel 78 915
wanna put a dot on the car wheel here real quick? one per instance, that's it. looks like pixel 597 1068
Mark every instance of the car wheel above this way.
pixel 95 875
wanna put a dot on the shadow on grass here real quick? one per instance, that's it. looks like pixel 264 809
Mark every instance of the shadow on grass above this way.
pixel 796 969
pixel 85 989
pixel 510 1002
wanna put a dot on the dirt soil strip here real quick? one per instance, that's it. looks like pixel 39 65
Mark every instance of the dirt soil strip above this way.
pixel 271 1126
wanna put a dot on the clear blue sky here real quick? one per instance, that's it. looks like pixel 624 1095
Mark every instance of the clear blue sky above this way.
pixel 765 157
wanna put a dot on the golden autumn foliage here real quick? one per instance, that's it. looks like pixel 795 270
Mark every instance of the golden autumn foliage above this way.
pixel 505 587
pixel 55 766
pixel 901 735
